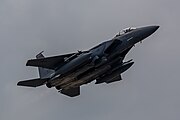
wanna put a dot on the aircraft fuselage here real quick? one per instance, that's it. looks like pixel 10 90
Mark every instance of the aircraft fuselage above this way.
pixel 103 63
pixel 84 69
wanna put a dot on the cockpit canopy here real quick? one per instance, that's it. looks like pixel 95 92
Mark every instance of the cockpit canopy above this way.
pixel 126 30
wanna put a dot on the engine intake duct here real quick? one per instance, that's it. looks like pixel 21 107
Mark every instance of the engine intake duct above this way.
pixel 115 74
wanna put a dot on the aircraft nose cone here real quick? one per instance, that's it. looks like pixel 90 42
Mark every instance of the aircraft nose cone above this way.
pixel 152 29
pixel 156 27
pixel 144 32
pixel 149 30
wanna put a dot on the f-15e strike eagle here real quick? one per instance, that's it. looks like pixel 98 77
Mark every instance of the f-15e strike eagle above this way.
pixel 103 63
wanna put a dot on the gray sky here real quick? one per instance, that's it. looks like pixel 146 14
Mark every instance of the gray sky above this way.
pixel 150 88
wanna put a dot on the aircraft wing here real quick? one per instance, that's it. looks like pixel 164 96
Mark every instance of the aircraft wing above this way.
pixel 108 79
pixel 48 62
pixel 72 92
pixel 114 79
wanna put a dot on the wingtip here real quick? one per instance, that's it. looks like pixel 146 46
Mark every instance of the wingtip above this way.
pixel 20 83
pixel 27 63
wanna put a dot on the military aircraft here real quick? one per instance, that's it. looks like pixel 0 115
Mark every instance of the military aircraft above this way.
pixel 103 63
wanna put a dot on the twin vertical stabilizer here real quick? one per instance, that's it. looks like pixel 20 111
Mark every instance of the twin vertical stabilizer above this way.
pixel 43 72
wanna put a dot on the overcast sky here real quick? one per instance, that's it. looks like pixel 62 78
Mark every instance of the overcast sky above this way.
pixel 150 89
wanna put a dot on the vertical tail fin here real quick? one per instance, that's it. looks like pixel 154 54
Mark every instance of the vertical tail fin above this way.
pixel 43 72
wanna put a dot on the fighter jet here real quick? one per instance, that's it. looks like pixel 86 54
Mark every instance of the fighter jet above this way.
pixel 103 63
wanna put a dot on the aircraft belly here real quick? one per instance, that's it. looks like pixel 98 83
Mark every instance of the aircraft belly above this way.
pixel 63 81
pixel 88 78
pixel 71 77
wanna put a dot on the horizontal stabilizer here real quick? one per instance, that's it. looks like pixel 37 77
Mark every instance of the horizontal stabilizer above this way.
pixel 48 62
pixel 32 83
pixel 72 92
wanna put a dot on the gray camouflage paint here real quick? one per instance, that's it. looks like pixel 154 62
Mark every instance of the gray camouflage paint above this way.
pixel 149 90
